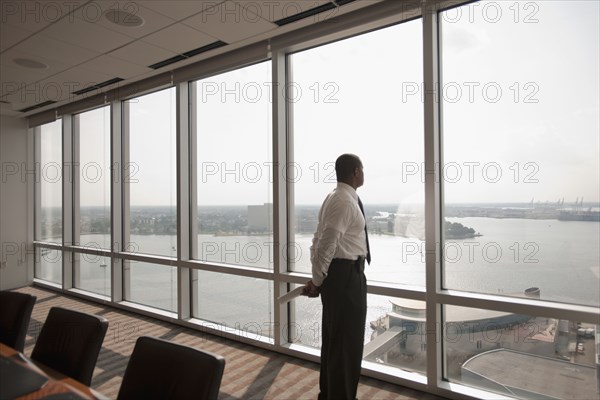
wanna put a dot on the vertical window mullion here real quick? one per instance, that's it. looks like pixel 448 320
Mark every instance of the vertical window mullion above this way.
pixel 67 199
pixel 37 189
pixel 193 192
pixel 76 196
pixel 183 200
pixel 433 202
pixel 281 319
pixel 116 203
pixel 125 198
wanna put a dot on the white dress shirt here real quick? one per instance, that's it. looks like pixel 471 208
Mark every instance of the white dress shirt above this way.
pixel 340 231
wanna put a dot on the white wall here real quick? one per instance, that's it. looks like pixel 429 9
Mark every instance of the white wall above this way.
pixel 16 265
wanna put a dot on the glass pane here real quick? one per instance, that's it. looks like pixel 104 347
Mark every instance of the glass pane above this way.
pixel 93 273
pixel 374 118
pixel 152 173
pixel 519 355
pixel 152 285
pixel 95 177
pixel 394 334
pixel 234 174
pixel 50 182
pixel 237 302
pixel 521 176
pixel 48 265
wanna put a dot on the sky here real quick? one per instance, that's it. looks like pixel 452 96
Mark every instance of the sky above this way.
pixel 520 116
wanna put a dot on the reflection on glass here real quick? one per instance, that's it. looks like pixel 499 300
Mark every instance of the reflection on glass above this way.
pixel 335 113
pixel 521 149
pixel 152 285
pixel 95 177
pixel 49 172
pixel 151 172
pixel 240 303
pixel 520 355
pixel 234 174
pixel 93 273
pixel 394 332
pixel 48 265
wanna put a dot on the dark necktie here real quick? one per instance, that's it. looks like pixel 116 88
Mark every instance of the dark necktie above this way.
pixel 362 210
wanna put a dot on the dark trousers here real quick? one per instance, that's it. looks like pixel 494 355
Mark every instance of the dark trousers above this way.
pixel 344 298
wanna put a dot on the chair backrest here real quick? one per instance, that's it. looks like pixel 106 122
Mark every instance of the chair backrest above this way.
pixel 15 313
pixel 159 369
pixel 70 342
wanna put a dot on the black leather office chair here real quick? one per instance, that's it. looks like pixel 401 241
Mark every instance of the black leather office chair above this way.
pixel 159 369
pixel 15 313
pixel 70 342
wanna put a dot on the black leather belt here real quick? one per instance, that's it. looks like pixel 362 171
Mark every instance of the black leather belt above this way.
pixel 359 262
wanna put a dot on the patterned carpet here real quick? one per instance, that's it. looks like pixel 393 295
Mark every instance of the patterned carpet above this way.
pixel 250 372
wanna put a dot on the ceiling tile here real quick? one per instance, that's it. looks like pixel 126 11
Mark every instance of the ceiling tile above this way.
pixel 143 54
pixel 179 38
pixel 11 35
pixel 152 21
pixel 179 9
pixel 229 22
pixel 14 78
pixel 115 67
pixel 57 88
pixel 86 34
pixel 19 101
pixel 61 86
pixel 34 15
pixel 7 59
pixel 55 50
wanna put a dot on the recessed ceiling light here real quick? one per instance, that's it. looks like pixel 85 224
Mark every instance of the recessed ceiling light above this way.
pixel 29 63
pixel 124 18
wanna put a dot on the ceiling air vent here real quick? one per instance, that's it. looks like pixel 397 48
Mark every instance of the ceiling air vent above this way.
pixel 40 105
pixel 168 61
pixel 305 14
pixel 187 55
pixel 202 49
pixel 97 86
pixel 343 2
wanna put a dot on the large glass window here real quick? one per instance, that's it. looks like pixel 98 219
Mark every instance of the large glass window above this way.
pixel 336 113
pixel 150 174
pixel 395 333
pixel 93 131
pixel 151 285
pixel 92 273
pixel 48 265
pixel 234 168
pixel 236 302
pixel 520 356
pixel 95 178
pixel 49 182
pixel 521 152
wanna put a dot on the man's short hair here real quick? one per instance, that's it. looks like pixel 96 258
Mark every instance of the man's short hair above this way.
pixel 345 166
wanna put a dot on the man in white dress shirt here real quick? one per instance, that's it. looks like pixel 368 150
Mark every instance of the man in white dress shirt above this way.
pixel 338 252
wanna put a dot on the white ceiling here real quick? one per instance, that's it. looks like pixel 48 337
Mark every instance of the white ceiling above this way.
pixel 82 48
